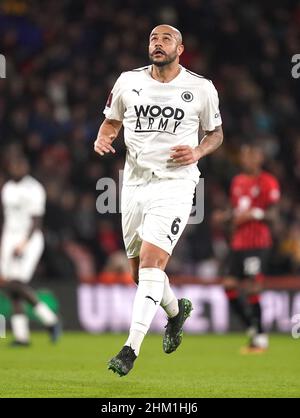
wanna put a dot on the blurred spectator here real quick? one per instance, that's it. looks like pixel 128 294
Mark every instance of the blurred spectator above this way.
pixel 290 247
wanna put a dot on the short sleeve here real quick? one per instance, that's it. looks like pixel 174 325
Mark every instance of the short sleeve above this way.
pixel 38 201
pixel 210 116
pixel 114 108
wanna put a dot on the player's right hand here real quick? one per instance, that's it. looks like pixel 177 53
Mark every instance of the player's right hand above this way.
pixel 103 144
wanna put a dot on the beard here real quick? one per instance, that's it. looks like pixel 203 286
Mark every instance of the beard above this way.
pixel 167 60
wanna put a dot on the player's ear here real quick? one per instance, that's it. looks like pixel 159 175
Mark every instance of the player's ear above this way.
pixel 180 49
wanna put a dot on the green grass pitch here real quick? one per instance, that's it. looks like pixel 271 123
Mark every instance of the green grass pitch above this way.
pixel 203 366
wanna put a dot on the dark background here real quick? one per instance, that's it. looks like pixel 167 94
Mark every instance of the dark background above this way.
pixel 63 57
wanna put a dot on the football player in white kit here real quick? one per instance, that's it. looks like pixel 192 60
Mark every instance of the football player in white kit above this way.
pixel 160 107
pixel 22 243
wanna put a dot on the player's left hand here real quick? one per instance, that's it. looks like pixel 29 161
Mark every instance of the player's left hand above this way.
pixel 184 155
pixel 19 249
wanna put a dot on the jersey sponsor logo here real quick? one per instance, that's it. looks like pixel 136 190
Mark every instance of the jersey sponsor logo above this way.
pixel 158 119
pixel 187 96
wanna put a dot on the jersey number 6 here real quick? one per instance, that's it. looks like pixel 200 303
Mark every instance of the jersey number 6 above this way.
pixel 175 226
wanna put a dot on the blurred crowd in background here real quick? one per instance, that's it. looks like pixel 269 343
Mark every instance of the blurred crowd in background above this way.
pixel 63 58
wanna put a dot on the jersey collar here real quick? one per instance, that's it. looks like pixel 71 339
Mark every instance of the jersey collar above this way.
pixel 179 75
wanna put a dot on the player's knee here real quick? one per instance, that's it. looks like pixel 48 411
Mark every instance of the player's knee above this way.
pixel 149 261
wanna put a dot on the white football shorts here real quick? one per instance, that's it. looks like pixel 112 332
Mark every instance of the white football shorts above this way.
pixel 156 212
pixel 20 268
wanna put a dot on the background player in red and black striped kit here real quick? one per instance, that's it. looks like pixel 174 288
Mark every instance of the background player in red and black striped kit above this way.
pixel 253 195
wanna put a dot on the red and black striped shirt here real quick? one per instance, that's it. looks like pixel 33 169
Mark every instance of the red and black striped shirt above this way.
pixel 249 192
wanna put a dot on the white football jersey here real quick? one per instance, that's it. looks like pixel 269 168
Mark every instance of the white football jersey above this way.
pixel 21 201
pixel 157 116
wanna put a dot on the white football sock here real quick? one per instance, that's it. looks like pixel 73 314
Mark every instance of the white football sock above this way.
pixel 20 327
pixel 135 340
pixel 146 303
pixel 169 301
pixel 44 313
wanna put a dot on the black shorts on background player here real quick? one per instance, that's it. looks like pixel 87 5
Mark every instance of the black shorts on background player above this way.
pixel 243 264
